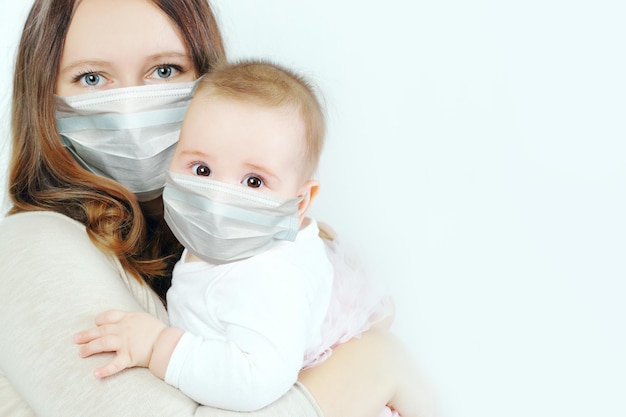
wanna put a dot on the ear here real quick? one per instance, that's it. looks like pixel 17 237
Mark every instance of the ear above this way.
pixel 308 192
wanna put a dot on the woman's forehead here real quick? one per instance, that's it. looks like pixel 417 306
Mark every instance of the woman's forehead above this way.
pixel 106 30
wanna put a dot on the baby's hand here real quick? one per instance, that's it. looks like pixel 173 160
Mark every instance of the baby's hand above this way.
pixel 131 335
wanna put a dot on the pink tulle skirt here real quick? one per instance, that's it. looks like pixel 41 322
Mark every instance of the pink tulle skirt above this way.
pixel 388 412
pixel 356 304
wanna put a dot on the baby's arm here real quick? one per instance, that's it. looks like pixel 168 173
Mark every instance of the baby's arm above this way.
pixel 258 322
pixel 138 338
pixel 253 364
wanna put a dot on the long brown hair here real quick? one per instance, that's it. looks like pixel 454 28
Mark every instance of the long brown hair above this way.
pixel 43 176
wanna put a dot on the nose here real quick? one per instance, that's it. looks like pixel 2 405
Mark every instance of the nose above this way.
pixel 130 80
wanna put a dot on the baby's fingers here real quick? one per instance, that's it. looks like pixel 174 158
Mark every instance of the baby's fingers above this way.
pixel 88 335
pixel 104 343
pixel 118 364
pixel 110 317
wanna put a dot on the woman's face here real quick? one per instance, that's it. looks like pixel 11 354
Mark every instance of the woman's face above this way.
pixel 121 43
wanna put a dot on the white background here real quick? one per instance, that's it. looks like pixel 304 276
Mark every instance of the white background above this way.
pixel 476 160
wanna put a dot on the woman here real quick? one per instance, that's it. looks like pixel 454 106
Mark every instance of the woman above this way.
pixel 76 243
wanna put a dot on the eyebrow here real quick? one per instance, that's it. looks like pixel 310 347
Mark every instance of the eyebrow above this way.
pixel 263 171
pixel 85 63
pixel 194 154
pixel 169 54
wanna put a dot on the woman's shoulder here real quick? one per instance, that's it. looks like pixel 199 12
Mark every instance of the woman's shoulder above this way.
pixel 45 236
pixel 59 247
pixel 40 237
pixel 26 225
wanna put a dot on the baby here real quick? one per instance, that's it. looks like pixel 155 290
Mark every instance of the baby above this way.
pixel 254 297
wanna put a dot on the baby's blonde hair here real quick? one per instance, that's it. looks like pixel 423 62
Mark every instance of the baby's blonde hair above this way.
pixel 270 84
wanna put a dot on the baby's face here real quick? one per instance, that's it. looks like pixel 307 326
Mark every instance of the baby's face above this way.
pixel 242 143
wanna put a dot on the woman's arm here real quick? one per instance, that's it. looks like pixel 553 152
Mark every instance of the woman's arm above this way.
pixel 11 403
pixel 53 283
pixel 365 373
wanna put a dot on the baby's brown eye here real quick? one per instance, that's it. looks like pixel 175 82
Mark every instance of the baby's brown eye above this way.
pixel 202 170
pixel 253 182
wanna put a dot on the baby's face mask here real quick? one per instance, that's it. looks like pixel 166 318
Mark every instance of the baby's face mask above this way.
pixel 126 134
pixel 220 223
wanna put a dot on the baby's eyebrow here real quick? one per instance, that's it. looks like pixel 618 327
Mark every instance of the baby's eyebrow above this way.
pixel 261 170
pixel 195 154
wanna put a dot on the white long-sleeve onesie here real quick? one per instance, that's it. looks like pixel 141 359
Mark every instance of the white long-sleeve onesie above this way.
pixel 249 325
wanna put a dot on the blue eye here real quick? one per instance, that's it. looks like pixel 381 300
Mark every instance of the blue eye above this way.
pixel 253 182
pixel 90 79
pixel 165 71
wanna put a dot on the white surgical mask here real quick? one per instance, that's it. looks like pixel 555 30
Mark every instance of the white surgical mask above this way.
pixel 126 134
pixel 220 222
